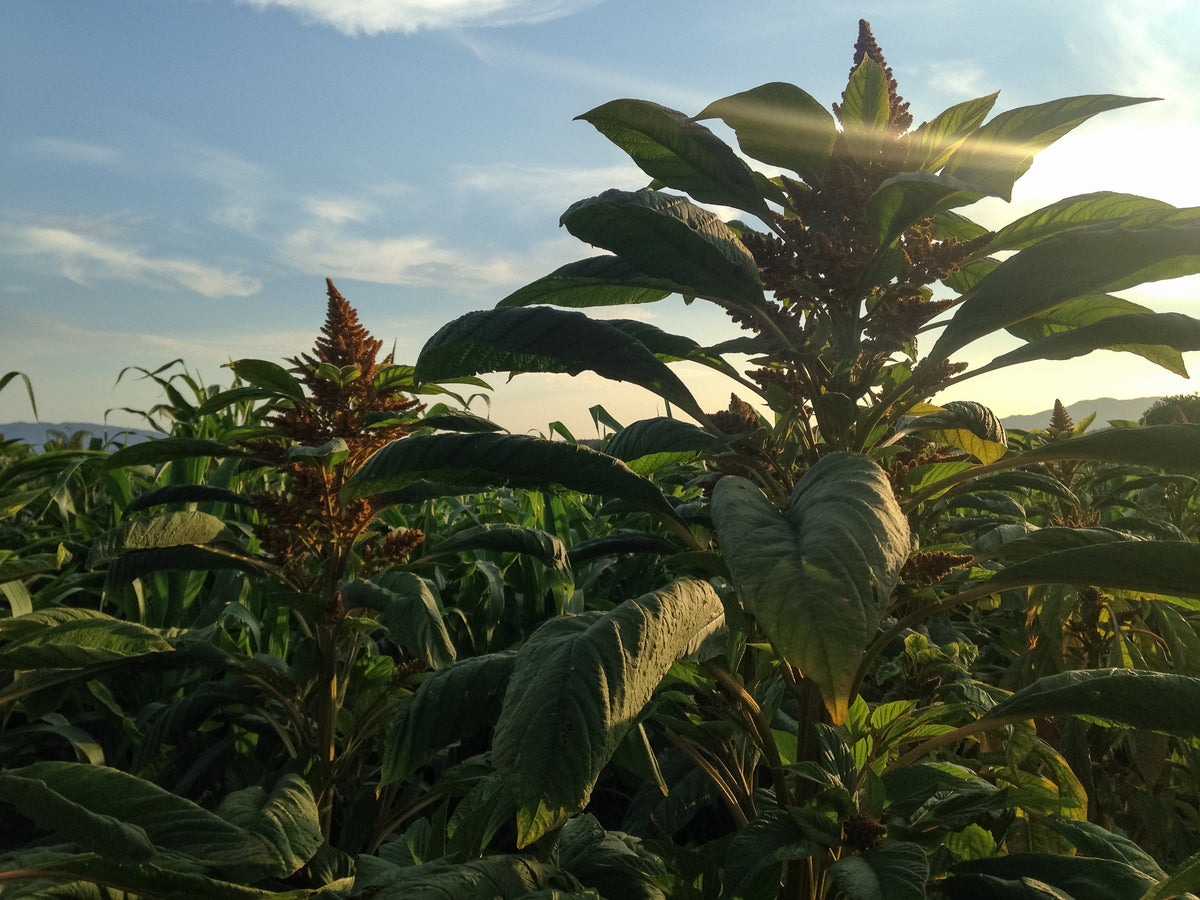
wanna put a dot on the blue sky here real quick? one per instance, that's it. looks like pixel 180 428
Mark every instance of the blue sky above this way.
pixel 178 177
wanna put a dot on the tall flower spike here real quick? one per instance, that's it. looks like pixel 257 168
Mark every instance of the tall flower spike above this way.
pixel 899 118
pixel 1060 420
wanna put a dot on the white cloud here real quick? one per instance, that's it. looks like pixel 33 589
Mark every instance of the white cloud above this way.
pixel 339 210
pixel 371 17
pixel 73 151
pixel 81 257
pixel 540 188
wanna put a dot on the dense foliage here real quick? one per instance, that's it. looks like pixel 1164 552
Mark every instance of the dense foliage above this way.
pixel 336 635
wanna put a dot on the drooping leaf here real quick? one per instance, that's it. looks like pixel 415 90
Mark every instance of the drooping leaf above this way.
pixel 168 449
pixel 1184 879
pixel 681 153
pixel 890 869
pixel 905 199
pixel 409 611
pixel 507 537
pixel 1133 698
pixel 1000 152
pixel 271 376
pixel 579 683
pixel 459 420
pixel 781 125
pixel 184 558
pixel 932 143
pixel 818 576
pixel 165 530
pixel 1079 877
pixel 1098 842
pixel 648 444
pixel 543 339
pixel 1082 262
pixel 1175 448
pixel 1049 540
pixel 596 281
pixel 451 704
pixel 186 493
pixel 23 567
pixel 620 543
pixel 40 641
pixel 285 821
pixel 497 460
pixel 967 425
pixel 667 236
pixel 507 877
pixel 1135 333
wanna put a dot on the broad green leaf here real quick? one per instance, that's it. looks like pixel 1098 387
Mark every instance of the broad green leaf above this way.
pixel 326 456
pixel 1095 841
pixel 168 449
pixel 891 869
pixel 966 425
pixel 1085 261
pixel 506 877
pixel 781 125
pixel 596 281
pixel 124 817
pixel 268 375
pixel 932 143
pixel 186 493
pixel 543 339
pixel 615 863
pixel 497 460
pixel 1068 214
pixel 819 575
pixel 1132 698
pixel 1184 879
pixel 185 558
pixel 579 684
pixel 1134 333
pixel 285 821
pixel 977 886
pixel 1049 540
pixel 1079 877
pixel 772 838
pixel 451 704
pixel 457 420
pixel 668 347
pixel 650 444
pixel 165 530
pixel 864 112
pixel 679 152
pixel 1175 448
pixel 409 611
pixel 23 567
pixel 42 642
pixel 506 537
pixel 1000 152
pixel 666 236
pixel 909 197
pixel 620 543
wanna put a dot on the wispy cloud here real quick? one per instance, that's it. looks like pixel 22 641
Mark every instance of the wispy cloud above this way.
pixel 544 189
pixel 372 17
pixel 82 258
pixel 70 151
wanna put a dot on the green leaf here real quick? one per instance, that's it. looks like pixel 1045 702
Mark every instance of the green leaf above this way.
pixel 543 339
pixel 579 684
pixel 326 456
pixel 1102 257
pixel 270 376
pixel 1093 840
pixel 498 460
pixel 781 125
pixel 909 197
pixel 596 281
pixel 44 641
pixel 1134 333
pixel 865 112
pixel 24 567
pixel 409 611
pixel 967 425
pixel 286 821
pixel 891 869
pixel 931 144
pixel 1184 879
pixel 458 420
pixel 186 558
pixel 168 449
pixel 1132 698
pixel 9 376
pixel 650 444
pixel 1000 152
pixel 668 237
pixel 621 543
pixel 818 576
pixel 1068 214
pixel 165 530
pixel 506 537
pixel 977 886
pixel 186 493
pixel 1080 877
pixel 507 877
pixel 451 705
pixel 1049 540
pixel 1175 448
pixel 679 152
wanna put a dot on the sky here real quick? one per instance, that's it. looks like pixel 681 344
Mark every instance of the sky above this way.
pixel 179 177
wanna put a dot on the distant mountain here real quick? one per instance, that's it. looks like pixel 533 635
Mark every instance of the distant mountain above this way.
pixel 1105 408
pixel 37 434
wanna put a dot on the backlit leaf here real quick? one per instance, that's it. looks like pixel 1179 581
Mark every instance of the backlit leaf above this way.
pixel 596 281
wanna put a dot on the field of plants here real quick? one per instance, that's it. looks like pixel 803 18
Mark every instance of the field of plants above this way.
pixel 337 636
